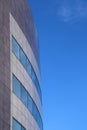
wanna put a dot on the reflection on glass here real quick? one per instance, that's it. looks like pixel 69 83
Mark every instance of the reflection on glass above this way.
pixel 23 59
pixel 16 87
pixel 19 53
pixel 16 125
pixel 29 104
pixel 23 95
pixel 15 47
pixel 27 100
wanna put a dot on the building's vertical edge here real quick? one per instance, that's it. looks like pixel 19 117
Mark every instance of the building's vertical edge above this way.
pixel 4 65
pixel 21 13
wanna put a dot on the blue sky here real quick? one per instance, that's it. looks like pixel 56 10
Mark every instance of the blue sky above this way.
pixel 62 33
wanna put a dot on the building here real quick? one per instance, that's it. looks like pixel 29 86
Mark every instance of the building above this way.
pixel 20 90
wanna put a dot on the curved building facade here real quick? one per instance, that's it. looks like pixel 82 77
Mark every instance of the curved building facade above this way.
pixel 20 91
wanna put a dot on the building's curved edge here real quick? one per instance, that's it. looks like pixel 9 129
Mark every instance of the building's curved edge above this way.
pixel 18 70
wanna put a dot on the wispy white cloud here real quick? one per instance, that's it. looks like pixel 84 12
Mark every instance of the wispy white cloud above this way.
pixel 72 10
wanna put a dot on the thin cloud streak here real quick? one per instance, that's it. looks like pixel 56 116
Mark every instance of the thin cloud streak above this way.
pixel 74 12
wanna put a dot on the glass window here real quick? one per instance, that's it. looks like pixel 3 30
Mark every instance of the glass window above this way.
pixel 22 128
pixel 26 63
pixel 33 75
pixel 37 85
pixel 27 100
pixel 29 104
pixel 16 87
pixel 23 95
pixel 35 111
pixel 16 125
pixel 28 67
pixel 23 58
pixel 38 89
pixel 15 47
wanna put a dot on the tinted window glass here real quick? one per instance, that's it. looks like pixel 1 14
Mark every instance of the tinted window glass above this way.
pixel 35 112
pixel 15 47
pixel 16 87
pixel 23 95
pixel 22 128
pixel 33 75
pixel 27 100
pixel 23 58
pixel 17 50
pixel 28 67
pixel 16 125
pixel 29 104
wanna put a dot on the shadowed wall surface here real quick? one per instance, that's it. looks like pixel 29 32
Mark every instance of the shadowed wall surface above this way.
pixel 4 65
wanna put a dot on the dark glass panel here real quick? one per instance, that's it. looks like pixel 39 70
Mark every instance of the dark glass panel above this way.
pixel 28 67
pixel 23 58
pixel 16 87
pixel 23 95
pixel 15 47
pixel 22 128
pixel 16 125
pixel 30 104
